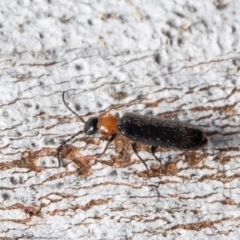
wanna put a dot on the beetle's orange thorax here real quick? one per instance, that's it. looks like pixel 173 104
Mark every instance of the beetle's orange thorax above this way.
pixel 107 124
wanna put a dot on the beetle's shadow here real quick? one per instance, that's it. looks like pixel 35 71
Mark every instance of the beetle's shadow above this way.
pixel 224 141
pixel 220 144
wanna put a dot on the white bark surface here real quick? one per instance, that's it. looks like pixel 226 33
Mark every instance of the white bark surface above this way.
pixel 172 59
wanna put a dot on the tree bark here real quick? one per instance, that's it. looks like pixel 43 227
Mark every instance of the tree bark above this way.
pixel 174 60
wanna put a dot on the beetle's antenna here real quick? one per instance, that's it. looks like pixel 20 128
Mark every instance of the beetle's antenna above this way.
pixel 72 137
pixel 63 144
pixel 63 98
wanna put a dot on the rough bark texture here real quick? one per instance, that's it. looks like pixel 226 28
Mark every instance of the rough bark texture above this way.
pixel 172 59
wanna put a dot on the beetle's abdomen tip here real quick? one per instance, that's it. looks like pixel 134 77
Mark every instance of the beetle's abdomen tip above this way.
pixel 204 141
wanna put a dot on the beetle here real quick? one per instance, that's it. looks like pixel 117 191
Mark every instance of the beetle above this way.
pixel 148 130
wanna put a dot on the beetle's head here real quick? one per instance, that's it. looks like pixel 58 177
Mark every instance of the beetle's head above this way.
pixel 90 126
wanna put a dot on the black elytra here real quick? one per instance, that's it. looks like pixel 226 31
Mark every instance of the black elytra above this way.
pixel 161 133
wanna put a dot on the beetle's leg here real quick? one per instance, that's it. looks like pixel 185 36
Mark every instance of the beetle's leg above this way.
pixel 134 147
pixel 63 144
pixel 153 149
pixel 113 136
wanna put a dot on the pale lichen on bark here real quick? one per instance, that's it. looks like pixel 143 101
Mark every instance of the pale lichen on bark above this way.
pixel 172 60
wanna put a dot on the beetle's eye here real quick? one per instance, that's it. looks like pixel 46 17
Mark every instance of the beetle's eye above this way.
pixel 90 126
